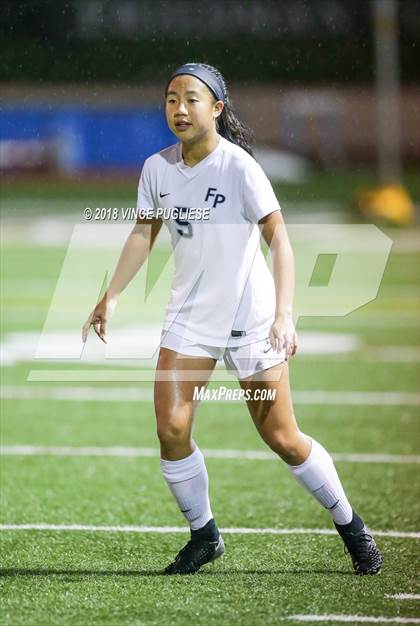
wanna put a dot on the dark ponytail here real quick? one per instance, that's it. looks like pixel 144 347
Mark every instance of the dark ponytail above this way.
pixel 228 125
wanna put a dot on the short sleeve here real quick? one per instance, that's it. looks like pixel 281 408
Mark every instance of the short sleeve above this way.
pixel 144 193
pixel 259 198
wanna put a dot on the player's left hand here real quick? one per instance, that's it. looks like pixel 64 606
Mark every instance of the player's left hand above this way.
pixel 283 335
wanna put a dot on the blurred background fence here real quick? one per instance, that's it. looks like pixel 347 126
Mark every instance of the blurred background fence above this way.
pixel 82 81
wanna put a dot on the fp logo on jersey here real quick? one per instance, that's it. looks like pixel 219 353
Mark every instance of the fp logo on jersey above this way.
pixel 218 197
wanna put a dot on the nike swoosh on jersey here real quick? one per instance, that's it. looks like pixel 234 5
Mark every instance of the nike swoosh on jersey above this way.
pixel 162 195
pixel 267 349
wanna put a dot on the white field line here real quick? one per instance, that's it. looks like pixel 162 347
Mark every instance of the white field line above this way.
pixel 133 394
pixel 353 619
pixel 395 534
pixel 138 345
pixel 254 455
pixel 402 596
pixel 392 354
pixel 54 229
pixel 133 375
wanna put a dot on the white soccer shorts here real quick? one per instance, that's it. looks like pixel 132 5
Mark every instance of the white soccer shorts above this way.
pixel 243 361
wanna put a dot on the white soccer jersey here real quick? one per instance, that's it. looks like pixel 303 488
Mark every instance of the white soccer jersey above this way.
pixel 223 291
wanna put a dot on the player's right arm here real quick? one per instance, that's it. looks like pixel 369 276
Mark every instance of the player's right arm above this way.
pixel 134 253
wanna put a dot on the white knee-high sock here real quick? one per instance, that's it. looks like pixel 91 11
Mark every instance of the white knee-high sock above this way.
pixel 319 476
pixel 189 483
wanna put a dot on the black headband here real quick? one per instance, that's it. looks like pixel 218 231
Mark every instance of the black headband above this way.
pixel 206 76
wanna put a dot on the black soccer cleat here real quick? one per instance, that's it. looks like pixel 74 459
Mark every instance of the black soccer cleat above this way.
pixel 194 555
pixel 365 554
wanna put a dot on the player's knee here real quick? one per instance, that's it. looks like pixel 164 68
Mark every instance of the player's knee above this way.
pixel 285 445
pixel 173 429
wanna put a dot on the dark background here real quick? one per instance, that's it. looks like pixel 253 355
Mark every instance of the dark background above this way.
pixel 287 41
pixel 82 84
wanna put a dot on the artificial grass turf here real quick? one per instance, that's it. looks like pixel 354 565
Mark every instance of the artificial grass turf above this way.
pixel 114 579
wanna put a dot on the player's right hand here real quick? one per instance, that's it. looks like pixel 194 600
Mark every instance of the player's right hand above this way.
pixel 99 318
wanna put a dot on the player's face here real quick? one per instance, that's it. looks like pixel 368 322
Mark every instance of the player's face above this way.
pixel 191 109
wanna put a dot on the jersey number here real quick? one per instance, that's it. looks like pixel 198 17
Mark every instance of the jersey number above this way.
pixel 185 228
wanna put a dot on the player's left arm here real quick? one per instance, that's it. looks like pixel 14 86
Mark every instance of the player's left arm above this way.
pixel 282 333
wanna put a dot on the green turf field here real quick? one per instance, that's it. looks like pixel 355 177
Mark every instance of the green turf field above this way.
pixel 103 573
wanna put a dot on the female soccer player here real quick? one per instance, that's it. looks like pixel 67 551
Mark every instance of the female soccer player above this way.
pixel 224 303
